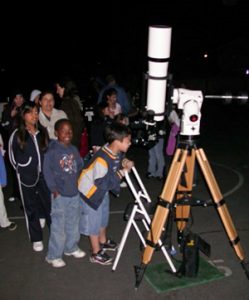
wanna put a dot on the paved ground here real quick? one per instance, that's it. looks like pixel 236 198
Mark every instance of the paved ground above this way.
pixel 224 137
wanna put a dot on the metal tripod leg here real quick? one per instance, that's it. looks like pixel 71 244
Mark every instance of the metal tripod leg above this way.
pixel 139 207
pixel 124 237
pixel 220 203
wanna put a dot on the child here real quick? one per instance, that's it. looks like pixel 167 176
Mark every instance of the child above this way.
pixel 123 119
pixel 10 119
pixel 174 122
pixel 4 221
pixel 27 145
pixel 156 161
pixel 101 120
pixel 62 166
pixel 111 99
pixel 101 175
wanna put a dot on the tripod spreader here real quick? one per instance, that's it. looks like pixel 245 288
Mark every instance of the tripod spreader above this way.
pixel 186 200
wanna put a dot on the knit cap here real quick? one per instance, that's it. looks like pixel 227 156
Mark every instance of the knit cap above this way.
pixel 34 94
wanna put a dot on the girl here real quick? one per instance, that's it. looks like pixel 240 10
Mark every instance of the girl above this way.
pixel 113 106
pixel 26 149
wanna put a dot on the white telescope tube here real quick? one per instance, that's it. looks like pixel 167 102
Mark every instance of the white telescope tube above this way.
pixel 158 55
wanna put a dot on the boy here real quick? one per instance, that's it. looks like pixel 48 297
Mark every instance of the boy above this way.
pixel 101 175
pixel 62 165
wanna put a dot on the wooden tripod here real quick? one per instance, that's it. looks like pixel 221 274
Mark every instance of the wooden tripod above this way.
pixel 184 161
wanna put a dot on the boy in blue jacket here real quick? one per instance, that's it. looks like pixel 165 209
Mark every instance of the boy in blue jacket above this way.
pixel 62 166
pixel 102 174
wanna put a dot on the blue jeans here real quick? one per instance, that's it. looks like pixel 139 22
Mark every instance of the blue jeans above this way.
pixel 64 231
pixel 91 220
pixel 156 159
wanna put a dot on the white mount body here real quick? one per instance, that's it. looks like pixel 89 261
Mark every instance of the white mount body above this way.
pixel 190 103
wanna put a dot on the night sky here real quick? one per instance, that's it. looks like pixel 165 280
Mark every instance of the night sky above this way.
pixel 42 42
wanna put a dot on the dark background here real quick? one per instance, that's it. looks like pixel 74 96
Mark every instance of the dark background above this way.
pixel 43 41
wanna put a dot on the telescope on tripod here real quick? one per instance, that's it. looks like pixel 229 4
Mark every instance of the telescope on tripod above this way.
pixel 179 182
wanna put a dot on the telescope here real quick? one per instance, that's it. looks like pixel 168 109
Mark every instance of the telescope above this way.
pixel 161 95
pixel 178 186
pixel 145 130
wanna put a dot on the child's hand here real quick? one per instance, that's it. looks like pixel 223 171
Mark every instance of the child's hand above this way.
pixel 127 164
pixel 13 112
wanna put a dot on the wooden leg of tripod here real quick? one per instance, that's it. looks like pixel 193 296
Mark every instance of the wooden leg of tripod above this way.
pixel 184 189
pixel 162 210
pixel 220 203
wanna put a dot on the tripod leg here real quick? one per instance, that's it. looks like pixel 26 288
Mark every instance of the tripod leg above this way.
pixel 184 189
pixel 221 207
pixel 162 210
pixel 124 237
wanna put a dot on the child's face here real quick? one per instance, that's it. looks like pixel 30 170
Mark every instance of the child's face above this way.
pixel 19 100
pixel 65 134
pixel 112 99
pixel 31 117
pixel 125 144
pixel 105 111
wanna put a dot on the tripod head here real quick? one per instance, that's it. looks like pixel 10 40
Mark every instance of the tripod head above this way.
pixel 190 102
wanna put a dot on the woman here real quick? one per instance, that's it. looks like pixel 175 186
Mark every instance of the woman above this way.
pixel 71 105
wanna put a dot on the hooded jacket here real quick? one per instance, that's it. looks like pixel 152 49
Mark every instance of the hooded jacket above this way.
pixel 27 161
pixel 100 175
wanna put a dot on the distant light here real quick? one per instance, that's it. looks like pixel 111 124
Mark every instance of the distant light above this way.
pixel 247 71
pixel 205 55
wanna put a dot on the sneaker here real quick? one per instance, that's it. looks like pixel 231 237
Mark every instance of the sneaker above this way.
pixel 42 222
pixel 123 184
pixel 101 258
pixel 56 263
pixel 173 251
pixel 38 246
pixel 109 245
pixel 149 175
pixel 77 253
pixel 12 199
pixel 12 226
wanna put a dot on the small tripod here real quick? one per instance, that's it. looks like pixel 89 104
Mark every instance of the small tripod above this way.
pixel 138 208
pixel 183 162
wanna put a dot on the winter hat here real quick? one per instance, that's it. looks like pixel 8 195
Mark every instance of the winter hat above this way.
pixel 34 94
